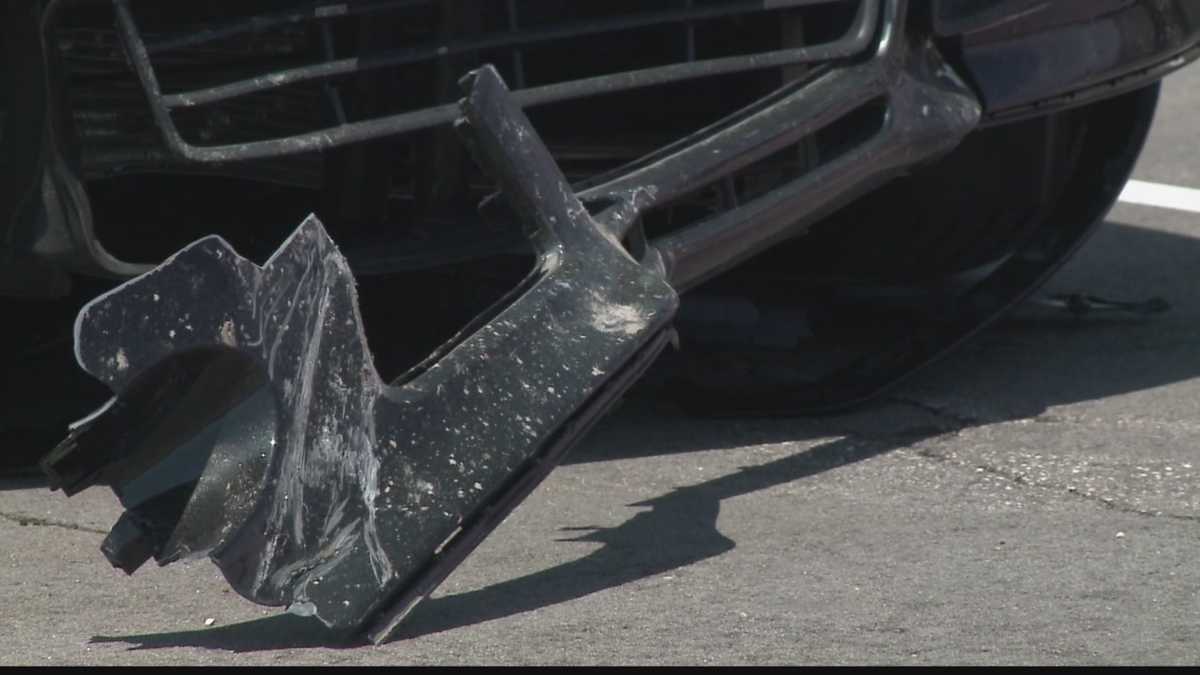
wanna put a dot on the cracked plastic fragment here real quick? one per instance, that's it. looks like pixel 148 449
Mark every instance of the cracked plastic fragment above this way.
pixel 249 423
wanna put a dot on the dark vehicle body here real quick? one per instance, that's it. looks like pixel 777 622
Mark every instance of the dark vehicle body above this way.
pixel 510 211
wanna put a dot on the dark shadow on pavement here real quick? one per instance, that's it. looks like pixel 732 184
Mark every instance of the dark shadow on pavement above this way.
pixel 26 479
pixel 680 528
pixel 280 631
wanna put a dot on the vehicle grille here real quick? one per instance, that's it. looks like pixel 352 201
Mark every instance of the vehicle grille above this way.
pixel 292 77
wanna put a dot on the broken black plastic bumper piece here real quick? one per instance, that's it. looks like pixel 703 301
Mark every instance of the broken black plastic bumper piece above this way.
pixel 249 423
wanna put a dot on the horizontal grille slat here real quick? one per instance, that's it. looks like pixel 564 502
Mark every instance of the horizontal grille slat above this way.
pixel 304 68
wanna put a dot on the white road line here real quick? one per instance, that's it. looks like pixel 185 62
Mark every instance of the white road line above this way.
pixel 1162 196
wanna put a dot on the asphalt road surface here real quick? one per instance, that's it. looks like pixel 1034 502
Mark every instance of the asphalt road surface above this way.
pixel 1033 499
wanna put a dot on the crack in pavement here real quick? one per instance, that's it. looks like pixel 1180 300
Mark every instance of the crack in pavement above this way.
pixel 1019 479
pixel 961 423
pixel 36 521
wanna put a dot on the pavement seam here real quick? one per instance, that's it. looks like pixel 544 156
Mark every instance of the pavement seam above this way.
pixel 961 423
pixel 1019 479
pixel 958 422
pixel 36 521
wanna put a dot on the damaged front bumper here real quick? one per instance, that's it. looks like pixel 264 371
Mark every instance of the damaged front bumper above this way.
pixel 250 425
